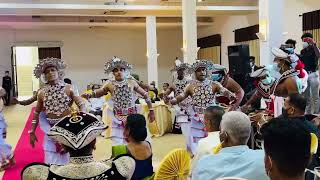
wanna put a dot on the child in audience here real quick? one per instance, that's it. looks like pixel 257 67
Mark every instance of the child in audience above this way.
pixel 212 116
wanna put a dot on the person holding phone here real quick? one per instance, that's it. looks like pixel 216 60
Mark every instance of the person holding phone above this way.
pixel 309 56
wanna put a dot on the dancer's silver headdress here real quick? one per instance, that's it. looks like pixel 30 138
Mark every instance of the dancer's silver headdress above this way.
pixel 180 65
pixel 116 62
pixel 49 62
pixel 200 63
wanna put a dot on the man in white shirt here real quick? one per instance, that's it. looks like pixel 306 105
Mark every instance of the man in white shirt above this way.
pixel 235 159
pixel 212 119
pixel 95 105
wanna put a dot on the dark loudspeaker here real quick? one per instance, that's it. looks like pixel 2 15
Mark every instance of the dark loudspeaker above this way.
pixel 239 59
pixel 239 63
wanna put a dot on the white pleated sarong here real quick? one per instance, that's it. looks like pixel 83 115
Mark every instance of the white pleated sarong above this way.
pixel 51 156
pixel 182 117
pixel 197 130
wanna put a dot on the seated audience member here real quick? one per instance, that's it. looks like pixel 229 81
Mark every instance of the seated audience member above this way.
pixel 294 108
pixel 154 89
pixel 165 87
pixel 288 149
pixel 95 105
pixel 74 87
pixel 77 133
pixel 136 133
pixel 212 117
pixel 235 158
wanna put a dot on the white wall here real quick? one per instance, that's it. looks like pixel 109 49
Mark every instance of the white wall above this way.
pixel 86 50
pixel 293 23
pixel 225 25
pixel 5 51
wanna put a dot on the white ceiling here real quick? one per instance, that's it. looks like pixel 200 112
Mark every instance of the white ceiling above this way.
pixel 120 10
pixel 66 13
pixel 144 2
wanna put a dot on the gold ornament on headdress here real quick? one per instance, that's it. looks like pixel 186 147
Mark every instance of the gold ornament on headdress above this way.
pixel 75 117
pixel 74 112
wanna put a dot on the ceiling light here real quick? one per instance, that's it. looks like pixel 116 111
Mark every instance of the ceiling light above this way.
pixel 200 0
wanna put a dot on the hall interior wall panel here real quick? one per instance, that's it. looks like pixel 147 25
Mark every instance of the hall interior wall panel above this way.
pixel 254 49
pixel 86 50
pixel 210 53
pixel 225 25
pixel 293 22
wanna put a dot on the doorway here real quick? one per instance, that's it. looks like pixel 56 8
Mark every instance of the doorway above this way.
pixel 24 59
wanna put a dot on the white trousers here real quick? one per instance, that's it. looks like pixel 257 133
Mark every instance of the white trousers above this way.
pixel 278 104
pixel 185 128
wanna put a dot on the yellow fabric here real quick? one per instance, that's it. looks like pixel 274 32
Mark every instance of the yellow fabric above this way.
pixel 254 48
pixel 108 96
pixel 162 124
pixel 211 53
pixel 152 95
pixel 217 149
pixel 88 91
pixel 314 143
pixel 316 35
pixel 176 165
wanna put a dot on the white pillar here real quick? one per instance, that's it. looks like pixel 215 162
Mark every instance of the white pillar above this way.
pixel 189 19
pixel 152 54
pixel 271 23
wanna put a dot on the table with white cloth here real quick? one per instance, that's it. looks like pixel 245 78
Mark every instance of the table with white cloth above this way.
pixel 163 123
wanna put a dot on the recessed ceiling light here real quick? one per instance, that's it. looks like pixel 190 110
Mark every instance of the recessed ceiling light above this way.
pixel 200 0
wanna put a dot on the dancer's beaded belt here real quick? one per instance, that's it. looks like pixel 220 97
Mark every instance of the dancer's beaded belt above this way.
pixel 125 111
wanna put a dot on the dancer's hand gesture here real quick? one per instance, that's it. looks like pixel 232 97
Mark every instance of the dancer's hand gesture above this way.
pixel 15 101
pixel 33 139
pixel 86 96
pixel 166 100
pixel 233 107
